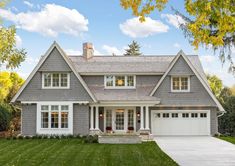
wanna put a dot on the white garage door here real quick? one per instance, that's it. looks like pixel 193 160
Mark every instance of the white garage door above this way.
pixel 180 122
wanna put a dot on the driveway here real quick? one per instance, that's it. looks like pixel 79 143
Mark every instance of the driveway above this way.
pixel 198 151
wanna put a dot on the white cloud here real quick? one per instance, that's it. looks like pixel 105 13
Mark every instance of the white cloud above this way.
pixel 30 60
pixel 73 52
pixel 50 20
pixel 173 19
pixel 14 9
pixel 176 45
pixel 96 52
pixel 29 4
pixel 134 28
pixel 112 50
pixel 207 58
pixel 18 41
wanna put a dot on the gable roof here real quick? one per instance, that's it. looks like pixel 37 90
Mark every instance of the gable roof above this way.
pixel 42 60
pixel 148 65
pixel 196 72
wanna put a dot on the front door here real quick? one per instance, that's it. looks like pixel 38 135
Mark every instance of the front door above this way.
pixel 119 120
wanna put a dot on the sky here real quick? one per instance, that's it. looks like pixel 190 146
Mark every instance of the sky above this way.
pixel 105 24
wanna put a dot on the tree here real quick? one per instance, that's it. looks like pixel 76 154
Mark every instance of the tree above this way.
pixel 10 55
pixel 210 23
pixel 9 85
pixel 233 90
pixel 133 50
pixel 216 85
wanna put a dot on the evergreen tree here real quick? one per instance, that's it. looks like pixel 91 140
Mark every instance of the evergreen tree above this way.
pixel 133 50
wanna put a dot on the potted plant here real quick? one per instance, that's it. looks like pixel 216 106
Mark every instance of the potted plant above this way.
pixel 130 129
pixel 109 129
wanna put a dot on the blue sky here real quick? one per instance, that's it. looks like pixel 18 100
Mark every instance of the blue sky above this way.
pixel 104 23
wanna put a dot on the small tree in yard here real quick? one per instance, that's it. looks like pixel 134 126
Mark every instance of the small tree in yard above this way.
pixel 133 50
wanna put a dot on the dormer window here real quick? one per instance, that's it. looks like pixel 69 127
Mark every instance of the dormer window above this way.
pixel 180 84
pixel 119 81
pixel 55 80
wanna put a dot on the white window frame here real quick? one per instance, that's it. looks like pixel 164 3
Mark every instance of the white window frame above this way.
pixel 58 87
pixel 120 87
pixel 59 130
pixel 172 90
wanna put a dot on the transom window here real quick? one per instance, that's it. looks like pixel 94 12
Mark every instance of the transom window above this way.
pixel 54 116
pixel 119 81
pixel 55 80
pixel 180 84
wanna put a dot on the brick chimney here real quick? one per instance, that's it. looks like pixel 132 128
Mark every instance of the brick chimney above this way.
pixel 88 50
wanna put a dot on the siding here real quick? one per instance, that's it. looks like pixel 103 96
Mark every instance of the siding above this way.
pixel 197 95
pixel 28 115
pixel 80 119
pixel 34 92
pixel 213 113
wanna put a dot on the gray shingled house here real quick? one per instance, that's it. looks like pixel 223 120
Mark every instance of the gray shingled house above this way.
pixel 161 95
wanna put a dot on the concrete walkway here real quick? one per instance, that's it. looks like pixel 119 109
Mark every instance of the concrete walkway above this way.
pixel 198 151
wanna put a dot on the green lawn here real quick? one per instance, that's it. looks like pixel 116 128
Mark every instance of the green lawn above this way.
pixel 73 152
pixel 228 138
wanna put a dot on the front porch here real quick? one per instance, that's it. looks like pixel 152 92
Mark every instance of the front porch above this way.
pixel 120 118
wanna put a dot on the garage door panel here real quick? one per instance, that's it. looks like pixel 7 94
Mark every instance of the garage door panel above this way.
pixel 179 125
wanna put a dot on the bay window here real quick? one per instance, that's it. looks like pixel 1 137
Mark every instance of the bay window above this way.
pixel 119 81
pixel 55 80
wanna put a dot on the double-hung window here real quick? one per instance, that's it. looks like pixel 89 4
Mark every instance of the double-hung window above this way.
pixel 120 81
pixel 180 84
pixel 55 80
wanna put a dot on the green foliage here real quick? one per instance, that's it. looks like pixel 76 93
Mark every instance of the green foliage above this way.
pixel 9 54
pixel 133 50
pixel 216 85
pixel 5 116
pixel 227 121
pixel 9 85
pixel 91 139
pixel 210 23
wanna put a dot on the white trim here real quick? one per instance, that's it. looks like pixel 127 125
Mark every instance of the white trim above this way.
pixel 58 130
pixel 42 60
pixel 127 103
pixel 120 87
pixel 59 87
pixel 181 53
pixel 121 73
pixel 39 102
pixel 180 76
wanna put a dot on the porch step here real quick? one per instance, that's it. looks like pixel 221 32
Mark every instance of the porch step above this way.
pixel 119 139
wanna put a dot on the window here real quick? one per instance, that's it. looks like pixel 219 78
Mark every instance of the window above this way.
pixel 130 118
pixel 158 115
pixel 194 115
pixel 180 84
pixel 119 81
pixel 185 115
pixel 203 115
pixel 54 116
pixel 165 115
pixel 55 80
pixel 174 115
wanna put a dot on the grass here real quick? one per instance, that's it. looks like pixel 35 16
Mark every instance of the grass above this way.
pixel 227 138
pixel 74 152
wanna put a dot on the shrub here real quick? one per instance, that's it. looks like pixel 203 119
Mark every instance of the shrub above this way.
pixel 20 137
pixel 34 137
pixel 91 139
pixel 27 137
pixel 5 116
pixel 70 136
pixel 14 137
pixel 78 136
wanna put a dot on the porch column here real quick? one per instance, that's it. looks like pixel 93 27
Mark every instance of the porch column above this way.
pixel 147 118
pixel 92 118
pixel 141 118
pixel 96 118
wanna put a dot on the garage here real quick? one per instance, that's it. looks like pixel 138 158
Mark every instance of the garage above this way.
pixel 180 122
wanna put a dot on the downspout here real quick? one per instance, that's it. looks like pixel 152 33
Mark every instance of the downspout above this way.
pixel 221 114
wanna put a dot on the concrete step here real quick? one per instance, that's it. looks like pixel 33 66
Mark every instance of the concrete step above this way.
pixel 119 139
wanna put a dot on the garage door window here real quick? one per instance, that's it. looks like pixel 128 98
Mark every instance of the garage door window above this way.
pixel 165 115
pixel 203 115
pixel 194 115
pixel 185 115
pixel 174 115
pixel 157 115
